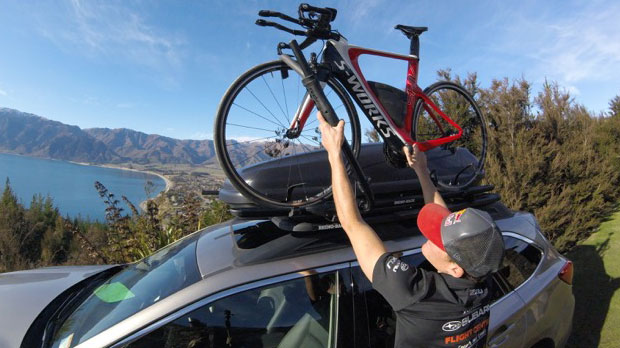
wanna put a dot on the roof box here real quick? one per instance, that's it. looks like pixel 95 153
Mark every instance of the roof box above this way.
pixel 393 188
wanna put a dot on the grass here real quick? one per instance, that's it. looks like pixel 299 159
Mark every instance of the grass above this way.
pixel 597 288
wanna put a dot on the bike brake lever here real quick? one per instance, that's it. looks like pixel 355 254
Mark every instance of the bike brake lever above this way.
pixel 264 23
pixel 268 13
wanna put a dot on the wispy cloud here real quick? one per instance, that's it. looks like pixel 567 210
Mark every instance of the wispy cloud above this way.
pixel 2 92
pixel 114 32
pixel 362 14
pixel 571 47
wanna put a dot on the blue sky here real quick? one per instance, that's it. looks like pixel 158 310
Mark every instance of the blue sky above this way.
pixel 162 66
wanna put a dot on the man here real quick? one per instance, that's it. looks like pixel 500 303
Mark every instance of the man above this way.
pixel 446 308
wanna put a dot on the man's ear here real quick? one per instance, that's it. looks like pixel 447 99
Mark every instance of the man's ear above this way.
pixel 455 270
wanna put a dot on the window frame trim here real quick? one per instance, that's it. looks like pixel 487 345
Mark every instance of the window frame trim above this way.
pixel 542 257
pixel 219 295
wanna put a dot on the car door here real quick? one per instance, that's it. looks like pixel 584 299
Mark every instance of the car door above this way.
pixel 309 309
pixel 521 260
pixel 377 322
pixel 507 325
pixel 510 312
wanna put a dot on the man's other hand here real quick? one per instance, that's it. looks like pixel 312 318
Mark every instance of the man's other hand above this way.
pixel 415 159
pixel 331 137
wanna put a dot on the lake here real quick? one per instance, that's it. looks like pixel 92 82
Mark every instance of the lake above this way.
pixel 72 186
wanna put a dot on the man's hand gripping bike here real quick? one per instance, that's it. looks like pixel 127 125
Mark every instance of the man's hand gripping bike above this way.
pixel 267 116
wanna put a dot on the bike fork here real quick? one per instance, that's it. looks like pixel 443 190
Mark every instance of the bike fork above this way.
pixel 315 91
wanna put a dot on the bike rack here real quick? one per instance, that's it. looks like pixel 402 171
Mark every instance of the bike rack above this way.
pixel 382 215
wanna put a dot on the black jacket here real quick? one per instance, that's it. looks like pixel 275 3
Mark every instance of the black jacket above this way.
pixel 433 309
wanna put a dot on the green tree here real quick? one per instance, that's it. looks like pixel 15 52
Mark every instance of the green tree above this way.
pixel 546 162
pixel 56 242
pixel 40 217
pixel 216 212
pixel 12 231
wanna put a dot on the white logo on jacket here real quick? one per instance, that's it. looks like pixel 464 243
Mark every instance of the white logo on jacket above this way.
pixel 451 326
pixel 393 264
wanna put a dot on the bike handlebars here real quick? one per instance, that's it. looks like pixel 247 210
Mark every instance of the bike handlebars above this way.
pixel 326 11
pixel 264 23
pixel 315 19
pixel 268 13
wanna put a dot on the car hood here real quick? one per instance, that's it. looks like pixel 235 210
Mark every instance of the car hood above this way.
pixel 24 294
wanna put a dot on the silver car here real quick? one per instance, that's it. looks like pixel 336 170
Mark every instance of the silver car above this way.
pixel 249 283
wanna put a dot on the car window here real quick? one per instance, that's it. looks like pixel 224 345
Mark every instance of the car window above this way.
pixel 520 261
pixel 296 313
pixel 136 287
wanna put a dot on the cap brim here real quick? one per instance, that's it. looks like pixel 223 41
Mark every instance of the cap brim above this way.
pixel 429 222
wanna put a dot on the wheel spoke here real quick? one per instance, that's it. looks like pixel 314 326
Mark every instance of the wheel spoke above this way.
pixel 264 118
pixel 275 99
pixel 246 158
pixel 285 102
pixel 261 103
pixel 312 140
pixel 305 146
pixel 301 177
pixel 248 127
pixel 237 143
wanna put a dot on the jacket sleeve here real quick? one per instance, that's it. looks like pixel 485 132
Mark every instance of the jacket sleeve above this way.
pixel 398 282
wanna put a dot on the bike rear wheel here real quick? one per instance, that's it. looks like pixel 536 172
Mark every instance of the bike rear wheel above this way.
pixel 263 161
pixel 464 158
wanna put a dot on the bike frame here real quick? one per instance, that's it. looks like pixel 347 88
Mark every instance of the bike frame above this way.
pixel 341 60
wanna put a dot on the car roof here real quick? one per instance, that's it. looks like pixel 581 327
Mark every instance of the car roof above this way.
pixel 261 244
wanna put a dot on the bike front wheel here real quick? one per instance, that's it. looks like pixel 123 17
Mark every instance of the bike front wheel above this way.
pixel 262 158
pixel 461 162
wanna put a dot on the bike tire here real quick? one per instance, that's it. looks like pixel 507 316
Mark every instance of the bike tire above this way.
pixel 461 107
pixel 278 157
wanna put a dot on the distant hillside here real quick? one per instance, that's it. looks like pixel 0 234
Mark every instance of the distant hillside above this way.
pixel 151 148
pixel 31 135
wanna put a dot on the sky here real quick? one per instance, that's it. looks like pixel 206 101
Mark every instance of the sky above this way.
pixel 162 66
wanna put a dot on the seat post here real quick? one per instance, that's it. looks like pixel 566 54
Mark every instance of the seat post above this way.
pixel 414 48
pixel 413 34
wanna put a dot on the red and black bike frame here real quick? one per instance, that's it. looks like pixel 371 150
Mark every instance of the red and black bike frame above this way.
pixel 342 61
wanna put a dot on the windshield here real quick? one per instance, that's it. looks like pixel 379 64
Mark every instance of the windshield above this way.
pixel 131 290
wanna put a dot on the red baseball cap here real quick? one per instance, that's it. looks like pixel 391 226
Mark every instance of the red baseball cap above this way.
pixel 429 222
pixel 469 236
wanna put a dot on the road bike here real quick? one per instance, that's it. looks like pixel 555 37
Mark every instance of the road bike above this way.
pixel 266 121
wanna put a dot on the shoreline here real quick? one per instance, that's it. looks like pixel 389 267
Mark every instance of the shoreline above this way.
pixel 167 181
pixel 141 205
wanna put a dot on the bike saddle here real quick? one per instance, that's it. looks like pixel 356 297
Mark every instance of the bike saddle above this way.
pixel 410 31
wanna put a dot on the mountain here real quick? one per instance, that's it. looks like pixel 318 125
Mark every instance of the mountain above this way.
pixel 31 135
pixel 151 148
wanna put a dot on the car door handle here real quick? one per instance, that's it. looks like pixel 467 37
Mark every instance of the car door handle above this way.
pixel 501 335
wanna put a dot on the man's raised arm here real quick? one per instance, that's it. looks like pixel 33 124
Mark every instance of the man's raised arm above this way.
pixel 417 161
pixel 367 246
